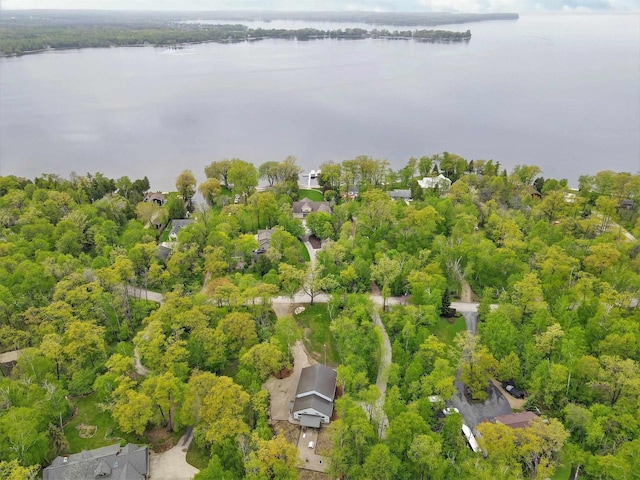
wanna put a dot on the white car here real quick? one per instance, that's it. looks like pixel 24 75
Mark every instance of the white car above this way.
pixel 312 444
pixel 450 410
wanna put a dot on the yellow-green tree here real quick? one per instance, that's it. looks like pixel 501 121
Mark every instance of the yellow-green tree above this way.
pixel 272 459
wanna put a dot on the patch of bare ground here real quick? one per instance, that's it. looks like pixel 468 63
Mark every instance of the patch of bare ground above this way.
pixel 309 475
pixel 160 439
pixel 291 432
pixel 514 403
pixel 282 309
pixel 323 447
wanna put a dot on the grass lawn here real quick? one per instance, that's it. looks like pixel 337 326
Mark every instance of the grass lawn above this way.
pixel 562 473
pixel 197 457
pixel 90 414
pixel 304 253
pixel 315 323
pixel 446 331
pixel 313 195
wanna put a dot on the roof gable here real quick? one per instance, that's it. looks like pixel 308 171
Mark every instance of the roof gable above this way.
pixel 317 378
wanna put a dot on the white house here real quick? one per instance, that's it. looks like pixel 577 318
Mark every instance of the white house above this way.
pixel 441 182
pixel 316 391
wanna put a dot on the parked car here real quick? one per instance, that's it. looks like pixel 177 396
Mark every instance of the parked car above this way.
pixel 312 444
pixel 511 388
pixel 450 410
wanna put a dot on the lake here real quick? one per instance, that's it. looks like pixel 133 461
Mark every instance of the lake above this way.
pixel 558 91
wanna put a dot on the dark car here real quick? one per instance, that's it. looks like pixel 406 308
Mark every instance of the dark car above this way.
pixel 511 388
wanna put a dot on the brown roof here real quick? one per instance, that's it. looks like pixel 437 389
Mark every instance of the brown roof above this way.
pixel 154 196
pixel 517 420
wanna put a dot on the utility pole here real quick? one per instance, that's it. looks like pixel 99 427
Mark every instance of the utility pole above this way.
pixel 325 354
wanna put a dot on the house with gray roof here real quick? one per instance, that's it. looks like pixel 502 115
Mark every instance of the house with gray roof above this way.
pixel 112 463
pixel 400 194
pixel 177 225
pixel 316 392
pixel 305 207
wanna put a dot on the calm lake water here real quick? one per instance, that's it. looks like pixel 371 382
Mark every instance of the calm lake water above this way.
pixel 559 91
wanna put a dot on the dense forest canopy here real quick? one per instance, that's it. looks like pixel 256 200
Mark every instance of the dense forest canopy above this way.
pixel 17 38
pixel 555 273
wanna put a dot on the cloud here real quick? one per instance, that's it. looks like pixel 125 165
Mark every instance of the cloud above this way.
pixel 470 6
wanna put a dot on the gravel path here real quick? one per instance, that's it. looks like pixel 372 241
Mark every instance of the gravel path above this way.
pixel 383 373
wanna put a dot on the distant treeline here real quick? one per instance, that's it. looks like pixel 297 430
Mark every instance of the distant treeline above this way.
pixel 103 17
pixel 25 38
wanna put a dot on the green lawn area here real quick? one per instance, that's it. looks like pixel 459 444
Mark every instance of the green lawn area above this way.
pixel 315 323
pixel 446 331
pixel 90 414
pixel 313 195
pixel 562 473
pixel 197 457
pixel 304 253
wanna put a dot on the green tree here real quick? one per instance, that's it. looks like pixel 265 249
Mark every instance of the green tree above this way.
pixel 244 177
pixel 210 189
pixel 271 459
pixel 380 464
pixel 133 411
pixel 186 186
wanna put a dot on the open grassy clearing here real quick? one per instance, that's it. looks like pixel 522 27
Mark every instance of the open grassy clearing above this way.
pixel 447 331
pixel 311 194
pixel 315 323
pixel 90 415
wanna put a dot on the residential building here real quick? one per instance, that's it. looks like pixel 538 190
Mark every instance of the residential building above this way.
pixel 316 392
pixel 516 420
pixel 177 225
pixel 441 182
pixel 112 463
pixel 155 197
pixel 400 194
pixel 305 207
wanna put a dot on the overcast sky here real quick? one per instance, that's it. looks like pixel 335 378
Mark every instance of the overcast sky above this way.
pixel 472 6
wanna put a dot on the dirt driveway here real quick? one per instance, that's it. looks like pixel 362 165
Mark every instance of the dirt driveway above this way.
pixel 515 403
pixel 172 464
pixel 283 391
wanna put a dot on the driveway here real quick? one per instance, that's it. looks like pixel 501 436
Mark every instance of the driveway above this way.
pixel 309 460
pixel 172 464
pixel 283 391
pixel 496 404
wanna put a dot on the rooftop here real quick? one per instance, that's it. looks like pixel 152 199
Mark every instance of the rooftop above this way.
pixel 517 420
pixel 317 378
pixel 112 463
